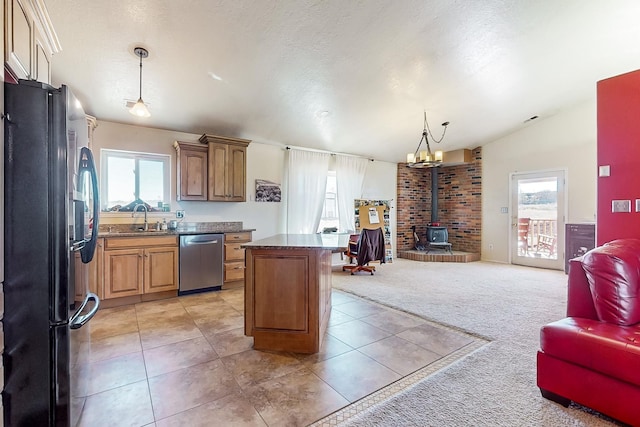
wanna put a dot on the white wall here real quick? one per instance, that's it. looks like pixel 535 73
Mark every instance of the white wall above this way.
pixel 264 161
pixel 566 140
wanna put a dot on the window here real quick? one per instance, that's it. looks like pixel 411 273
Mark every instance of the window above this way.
pixel 128 177
pixel 330 208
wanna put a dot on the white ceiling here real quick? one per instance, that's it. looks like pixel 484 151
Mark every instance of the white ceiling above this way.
pixel 349 76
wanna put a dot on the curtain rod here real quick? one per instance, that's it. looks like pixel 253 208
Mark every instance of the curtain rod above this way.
pixel 289 147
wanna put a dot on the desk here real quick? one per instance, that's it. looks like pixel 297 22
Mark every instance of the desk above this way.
pixel 288 290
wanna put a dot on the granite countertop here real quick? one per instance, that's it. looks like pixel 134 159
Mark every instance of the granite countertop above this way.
pixel 126 230
pixel 331 241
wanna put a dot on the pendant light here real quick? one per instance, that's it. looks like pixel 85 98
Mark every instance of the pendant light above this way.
pixel 140 108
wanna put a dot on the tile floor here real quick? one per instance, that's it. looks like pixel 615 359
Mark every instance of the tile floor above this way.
pixel 186 362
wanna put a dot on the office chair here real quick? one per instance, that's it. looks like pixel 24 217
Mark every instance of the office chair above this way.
pixel 365 247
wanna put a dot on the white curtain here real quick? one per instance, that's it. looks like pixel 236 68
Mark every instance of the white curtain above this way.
pixel 350 173
pixel 306 188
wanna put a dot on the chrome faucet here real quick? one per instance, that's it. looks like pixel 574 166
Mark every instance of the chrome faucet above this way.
pixel 135 208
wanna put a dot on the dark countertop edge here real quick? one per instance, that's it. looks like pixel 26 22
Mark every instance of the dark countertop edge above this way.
pixel 172 233
pixel 281 242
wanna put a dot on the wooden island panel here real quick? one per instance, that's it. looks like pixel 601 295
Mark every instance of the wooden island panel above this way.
pixel 287 297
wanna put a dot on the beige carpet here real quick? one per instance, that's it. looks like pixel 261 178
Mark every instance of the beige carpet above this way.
pixel 495 385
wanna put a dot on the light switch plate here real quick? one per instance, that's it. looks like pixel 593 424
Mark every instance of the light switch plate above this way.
pixel 637 205
pixel 604 170
pixel 621 206
pixel 504 210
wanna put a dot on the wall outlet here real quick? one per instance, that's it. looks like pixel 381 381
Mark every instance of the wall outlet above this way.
pixel 180 214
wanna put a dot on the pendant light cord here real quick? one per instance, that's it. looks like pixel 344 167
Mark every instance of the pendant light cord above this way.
pixel 140 54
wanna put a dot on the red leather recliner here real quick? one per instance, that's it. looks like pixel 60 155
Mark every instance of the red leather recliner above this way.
pixel 592 357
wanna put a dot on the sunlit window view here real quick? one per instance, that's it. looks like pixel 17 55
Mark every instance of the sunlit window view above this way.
pixel 130 178
pixel 330 208
pixel 537 218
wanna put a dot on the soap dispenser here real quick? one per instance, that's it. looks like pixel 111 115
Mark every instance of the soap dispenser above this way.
pixel 164 224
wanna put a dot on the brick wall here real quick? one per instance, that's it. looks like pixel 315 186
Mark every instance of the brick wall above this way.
pixel 459 203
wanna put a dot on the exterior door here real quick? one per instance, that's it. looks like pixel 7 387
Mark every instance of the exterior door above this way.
pixel 538 203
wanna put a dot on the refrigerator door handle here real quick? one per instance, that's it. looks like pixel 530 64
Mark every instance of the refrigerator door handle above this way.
pixel 87 165
pixel 77 320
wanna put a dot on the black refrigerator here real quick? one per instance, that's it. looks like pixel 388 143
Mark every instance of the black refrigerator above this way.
pixel 51 213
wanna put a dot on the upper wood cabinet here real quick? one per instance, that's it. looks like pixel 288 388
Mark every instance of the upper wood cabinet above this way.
pixel 227 168
pixel 215 170
pixel 30 40
pixel 192 173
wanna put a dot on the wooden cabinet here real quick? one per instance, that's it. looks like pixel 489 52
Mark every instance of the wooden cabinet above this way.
pixel 123 272
pixel 160 269
pixel 139 265
pixel 192 171
pixel 227 168
pixel 578 240
pixel 234 266
pixel 30 40
pixel 287 298
pixel 96 270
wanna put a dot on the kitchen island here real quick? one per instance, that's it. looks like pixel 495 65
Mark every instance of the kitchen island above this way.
pixel 288 290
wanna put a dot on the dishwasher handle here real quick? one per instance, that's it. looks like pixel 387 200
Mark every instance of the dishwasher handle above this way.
pixel 207 242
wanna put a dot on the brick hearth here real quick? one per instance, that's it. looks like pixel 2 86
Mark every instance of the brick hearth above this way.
pixel 439 256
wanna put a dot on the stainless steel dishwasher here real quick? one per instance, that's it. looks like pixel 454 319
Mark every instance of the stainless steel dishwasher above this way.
pixel 201 262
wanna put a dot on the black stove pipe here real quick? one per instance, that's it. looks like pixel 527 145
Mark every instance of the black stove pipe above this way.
pixel 434 195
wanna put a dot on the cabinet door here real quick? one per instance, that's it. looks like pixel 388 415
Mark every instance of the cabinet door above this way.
pixel 19 42
pixel 236 175
pixel 81 279
pixel 123 273
pixel 161 269
pixel 233 252
pixel 218 160
pixel 96 270
pixel 193 175
pixel 234 271
pixel 42 60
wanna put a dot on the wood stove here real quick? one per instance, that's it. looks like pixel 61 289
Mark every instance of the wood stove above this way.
pixel 437 234
pixel 438 238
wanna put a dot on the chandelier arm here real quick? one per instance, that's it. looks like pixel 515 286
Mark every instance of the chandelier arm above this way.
pixel 419 144
pixel 428 130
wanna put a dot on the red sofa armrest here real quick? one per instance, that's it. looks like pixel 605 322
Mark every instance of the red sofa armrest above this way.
pixel 579 299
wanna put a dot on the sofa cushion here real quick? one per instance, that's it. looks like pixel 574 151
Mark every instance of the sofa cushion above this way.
pixel 603 347
pixel 613 274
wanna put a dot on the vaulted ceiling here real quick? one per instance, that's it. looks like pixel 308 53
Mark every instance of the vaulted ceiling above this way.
pixel 350 76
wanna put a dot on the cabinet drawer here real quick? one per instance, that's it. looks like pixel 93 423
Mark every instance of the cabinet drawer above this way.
pixel 139 242
pixel 238 237
pixel 233 252
pixel 233 271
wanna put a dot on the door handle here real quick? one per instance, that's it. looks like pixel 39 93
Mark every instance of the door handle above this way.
pixel 77 320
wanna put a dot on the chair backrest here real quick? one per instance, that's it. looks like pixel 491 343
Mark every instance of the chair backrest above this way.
pixel 371 246
pixel 352 247
pixel 523 227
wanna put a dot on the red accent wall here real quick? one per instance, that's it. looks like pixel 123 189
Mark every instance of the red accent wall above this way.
pixel 618 147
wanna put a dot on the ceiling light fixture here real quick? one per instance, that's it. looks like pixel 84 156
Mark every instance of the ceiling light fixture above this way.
pixel 140 108
pixel 425 158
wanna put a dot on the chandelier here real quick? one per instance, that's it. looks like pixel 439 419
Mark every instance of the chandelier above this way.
pixel 426 158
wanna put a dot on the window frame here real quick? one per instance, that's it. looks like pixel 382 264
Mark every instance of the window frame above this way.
pixel 137 156
pixel 324 221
